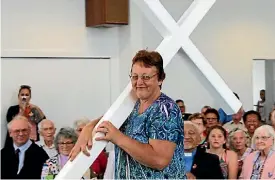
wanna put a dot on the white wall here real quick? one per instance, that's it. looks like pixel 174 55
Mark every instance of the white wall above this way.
pixel 231 35
pixel 65 89
pixel 258 76
pixel 50 28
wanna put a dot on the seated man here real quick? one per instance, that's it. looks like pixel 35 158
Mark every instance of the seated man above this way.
pixel 237 122
pixel 198 163
pixel 47 132
pixel 25 159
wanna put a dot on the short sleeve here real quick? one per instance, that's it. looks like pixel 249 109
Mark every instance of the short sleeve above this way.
pixel 165 123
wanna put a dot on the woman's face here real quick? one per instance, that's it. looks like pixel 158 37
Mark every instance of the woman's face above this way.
pixel 79 129
pixel 211 119
pixel 144 81
pixel 216 138
pixel 24 95
pixel 239 140
pixel 65 145
pixel 263 140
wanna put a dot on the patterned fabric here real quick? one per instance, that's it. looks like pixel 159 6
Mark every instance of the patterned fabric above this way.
pixel 162 120
pixel 224 168
pixel 53 166
pixel 246 153
pixel 258 166
pixel 35 115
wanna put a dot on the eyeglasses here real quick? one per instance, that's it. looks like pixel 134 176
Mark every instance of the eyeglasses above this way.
pixel 143 77
pixel 65 143
pixel 211 119
pixel 23 131
pixel 264 138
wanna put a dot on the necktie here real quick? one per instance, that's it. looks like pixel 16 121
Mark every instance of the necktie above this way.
pixel 17 151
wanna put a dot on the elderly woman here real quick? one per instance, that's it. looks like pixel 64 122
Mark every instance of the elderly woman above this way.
pixel 238 140
pixel 25 108
pixel 261 163
pixel 149 145
pixel 80 124
pixel 64 143
pixel 217 145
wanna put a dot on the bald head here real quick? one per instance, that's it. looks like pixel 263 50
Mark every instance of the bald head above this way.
pixel 19 129
pixel 47 129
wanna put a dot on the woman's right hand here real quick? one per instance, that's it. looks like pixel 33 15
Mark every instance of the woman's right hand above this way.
pixel 84 140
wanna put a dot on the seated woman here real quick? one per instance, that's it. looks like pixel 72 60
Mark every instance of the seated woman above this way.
pixel 217 145
pixel 260 164
pixel 64 143
pixel 238 140
pixel 30 111
pixel 99 166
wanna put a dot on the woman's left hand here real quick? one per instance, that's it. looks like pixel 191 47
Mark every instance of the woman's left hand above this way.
pixel 111 132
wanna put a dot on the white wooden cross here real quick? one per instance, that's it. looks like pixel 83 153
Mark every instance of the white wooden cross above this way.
pixel 175 36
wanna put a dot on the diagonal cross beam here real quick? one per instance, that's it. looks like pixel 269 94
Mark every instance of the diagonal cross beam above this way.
pixel 175 36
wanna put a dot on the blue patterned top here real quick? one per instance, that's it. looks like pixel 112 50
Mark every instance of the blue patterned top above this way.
pixel 163 121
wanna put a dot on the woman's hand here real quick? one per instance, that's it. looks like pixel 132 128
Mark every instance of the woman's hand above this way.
pixel 111 132
pixel 85 139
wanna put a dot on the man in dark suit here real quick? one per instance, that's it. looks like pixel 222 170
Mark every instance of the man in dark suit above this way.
pixel 25 159
pixel 199 164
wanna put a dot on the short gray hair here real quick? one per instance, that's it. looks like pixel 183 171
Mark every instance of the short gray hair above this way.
pixel 66 132
pixel 16 118
pixel 41 123
pixel 233 132
pixel 81 121
pixel 266 128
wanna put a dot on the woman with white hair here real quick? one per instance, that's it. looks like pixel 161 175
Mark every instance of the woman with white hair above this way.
pixel 261 163
pixel 80 124
pixel 238 141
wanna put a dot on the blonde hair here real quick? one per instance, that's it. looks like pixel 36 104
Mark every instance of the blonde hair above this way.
pixel 81 121
pixel 233 132
pixel 265 128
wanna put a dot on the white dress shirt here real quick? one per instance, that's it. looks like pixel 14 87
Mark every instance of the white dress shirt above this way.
pixel 51 151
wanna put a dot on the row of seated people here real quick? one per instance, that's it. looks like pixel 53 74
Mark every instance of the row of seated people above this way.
pixel 196 144
pixel 242 151
pixel 248 123
pixel 43 159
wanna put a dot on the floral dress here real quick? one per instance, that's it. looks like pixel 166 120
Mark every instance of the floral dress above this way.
pixel 162 121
